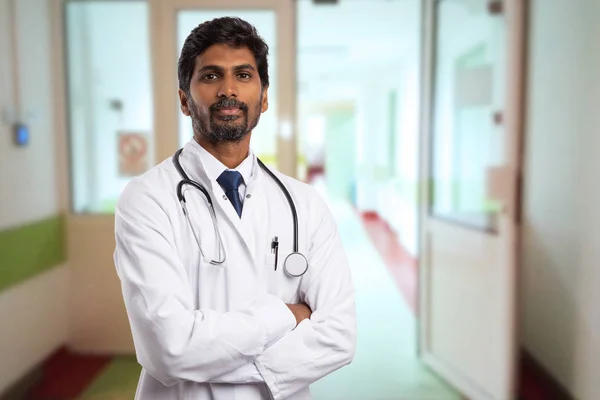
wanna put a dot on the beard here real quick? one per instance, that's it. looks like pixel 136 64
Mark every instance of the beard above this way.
pixel 225 128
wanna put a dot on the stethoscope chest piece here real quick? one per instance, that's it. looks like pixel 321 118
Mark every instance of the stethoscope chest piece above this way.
pixel 295 265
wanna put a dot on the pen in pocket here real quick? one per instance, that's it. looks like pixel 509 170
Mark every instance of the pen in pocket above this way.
pixel 275 249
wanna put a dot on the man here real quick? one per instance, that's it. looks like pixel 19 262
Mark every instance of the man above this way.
pixel 214 312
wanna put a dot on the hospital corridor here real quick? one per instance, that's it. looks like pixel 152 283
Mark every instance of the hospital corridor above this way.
pixel 451 145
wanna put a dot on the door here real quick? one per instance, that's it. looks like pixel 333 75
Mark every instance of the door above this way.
pixel 107 114
pixel 472 110
pixel 273 140
pixel 122 117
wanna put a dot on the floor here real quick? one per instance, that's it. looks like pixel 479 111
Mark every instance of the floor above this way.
pixel 386 364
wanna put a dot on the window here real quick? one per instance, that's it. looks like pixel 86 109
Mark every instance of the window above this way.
pixel 110 99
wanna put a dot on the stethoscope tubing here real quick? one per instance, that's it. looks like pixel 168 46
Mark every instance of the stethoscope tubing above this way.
pixel 185 180
pixel 289 199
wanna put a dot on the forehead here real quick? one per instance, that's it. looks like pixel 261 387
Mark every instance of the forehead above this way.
pixel 225 56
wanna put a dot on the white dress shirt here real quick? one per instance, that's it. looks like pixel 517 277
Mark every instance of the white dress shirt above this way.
pixel 214 168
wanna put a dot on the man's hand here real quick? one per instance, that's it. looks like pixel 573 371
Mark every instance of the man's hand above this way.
pixel 301 311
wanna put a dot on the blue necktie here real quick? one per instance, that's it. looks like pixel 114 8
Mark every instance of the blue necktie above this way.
pixel 230 182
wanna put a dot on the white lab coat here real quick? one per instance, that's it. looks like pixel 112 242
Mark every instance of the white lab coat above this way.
pixel 224 332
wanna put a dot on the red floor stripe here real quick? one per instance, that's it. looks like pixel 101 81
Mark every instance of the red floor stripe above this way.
pixel 67 375
pixel 400 263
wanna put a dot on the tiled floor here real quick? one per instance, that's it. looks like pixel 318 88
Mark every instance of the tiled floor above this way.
pixel 118 381
pixel 385 367
pixel 67 376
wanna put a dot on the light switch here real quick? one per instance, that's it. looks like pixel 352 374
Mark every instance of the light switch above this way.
pixel 21 133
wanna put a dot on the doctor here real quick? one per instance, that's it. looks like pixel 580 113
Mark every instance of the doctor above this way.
pixel 214 310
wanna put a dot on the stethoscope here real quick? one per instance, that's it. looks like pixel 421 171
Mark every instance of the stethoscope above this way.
pixel 295 264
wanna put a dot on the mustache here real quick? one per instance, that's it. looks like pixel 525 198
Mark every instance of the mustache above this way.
pixel 228 103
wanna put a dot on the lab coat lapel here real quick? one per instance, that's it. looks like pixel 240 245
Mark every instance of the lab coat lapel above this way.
pixel 244 226
pixel 222 205
pixel 252 221
pixel 232 217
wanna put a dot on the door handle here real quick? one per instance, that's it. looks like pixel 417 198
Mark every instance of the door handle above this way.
pixel 500 186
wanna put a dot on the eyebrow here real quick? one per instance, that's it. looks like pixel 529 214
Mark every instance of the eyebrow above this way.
pixel 219 69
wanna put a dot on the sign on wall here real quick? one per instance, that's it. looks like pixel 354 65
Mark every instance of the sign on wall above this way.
pixel 133 153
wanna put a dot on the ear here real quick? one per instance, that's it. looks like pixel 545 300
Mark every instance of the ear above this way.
pixel 183 103
pixel 265 100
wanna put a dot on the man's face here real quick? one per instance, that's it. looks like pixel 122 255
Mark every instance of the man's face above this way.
pixel 226 98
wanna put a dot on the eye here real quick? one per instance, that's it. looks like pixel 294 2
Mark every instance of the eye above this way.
pixel 244 75
pixel 209 77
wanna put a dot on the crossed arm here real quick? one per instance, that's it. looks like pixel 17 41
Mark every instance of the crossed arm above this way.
pixel 264 342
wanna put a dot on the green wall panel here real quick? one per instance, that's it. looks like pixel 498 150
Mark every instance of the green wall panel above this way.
pixel 28 250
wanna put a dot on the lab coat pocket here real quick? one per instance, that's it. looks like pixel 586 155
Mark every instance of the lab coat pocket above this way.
pixel 278 283
pixel 270 261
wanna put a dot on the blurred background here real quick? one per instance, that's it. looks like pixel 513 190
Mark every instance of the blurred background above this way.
pixel 454 140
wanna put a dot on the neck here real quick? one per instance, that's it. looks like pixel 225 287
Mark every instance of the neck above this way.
pixel 230 154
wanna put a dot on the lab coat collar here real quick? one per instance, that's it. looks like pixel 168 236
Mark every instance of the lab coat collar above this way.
pixel 214 168
pixel 204 167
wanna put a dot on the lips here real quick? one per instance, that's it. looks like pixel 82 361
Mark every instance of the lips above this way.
pixel 229 110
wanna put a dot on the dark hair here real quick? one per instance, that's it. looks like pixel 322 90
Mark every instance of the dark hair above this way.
pixel 234 32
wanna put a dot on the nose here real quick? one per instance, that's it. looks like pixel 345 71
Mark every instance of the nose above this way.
pixel 228 87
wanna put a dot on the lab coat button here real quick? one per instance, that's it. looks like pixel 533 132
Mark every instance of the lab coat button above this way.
pixel 248 195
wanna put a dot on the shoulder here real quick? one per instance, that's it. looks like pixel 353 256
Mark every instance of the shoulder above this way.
pixel 301 191
pixel 155 186
pixel 307 198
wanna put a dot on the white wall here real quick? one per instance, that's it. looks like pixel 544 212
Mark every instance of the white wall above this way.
pixel 33 316
pixel 561 233
pixel 34 323
pixel 23 169
pixel 402 213
pixel 385 185
pixel 372 140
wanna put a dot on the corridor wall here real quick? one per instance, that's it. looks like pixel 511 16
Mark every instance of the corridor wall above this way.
pixel 33 275
pixel 560 324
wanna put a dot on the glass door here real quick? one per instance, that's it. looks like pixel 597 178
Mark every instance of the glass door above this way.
pixel 471 159
pixel 106 56
pixel 274 138
pixel 109 91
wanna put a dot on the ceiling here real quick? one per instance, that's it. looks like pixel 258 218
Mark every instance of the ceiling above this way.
pixel 354 40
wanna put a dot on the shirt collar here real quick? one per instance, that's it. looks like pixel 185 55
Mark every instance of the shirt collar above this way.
pixel 214 168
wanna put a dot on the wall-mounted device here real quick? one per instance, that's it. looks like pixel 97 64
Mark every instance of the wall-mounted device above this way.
pixel 21 134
